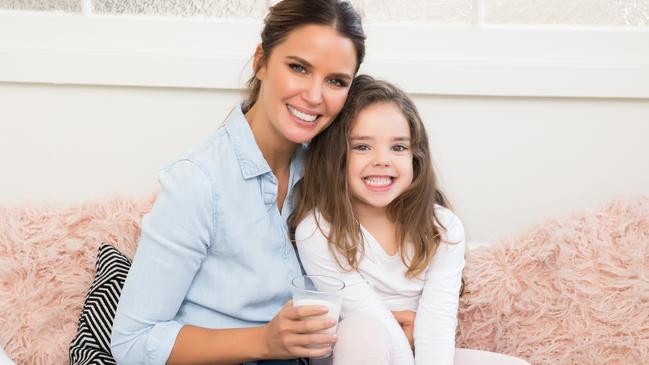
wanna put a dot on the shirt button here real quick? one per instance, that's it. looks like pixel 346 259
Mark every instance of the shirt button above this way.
pixel 269 198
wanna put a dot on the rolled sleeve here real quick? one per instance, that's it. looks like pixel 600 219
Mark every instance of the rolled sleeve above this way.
pixel 175 237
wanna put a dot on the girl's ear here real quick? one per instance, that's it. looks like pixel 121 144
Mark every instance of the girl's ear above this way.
pixel 259 63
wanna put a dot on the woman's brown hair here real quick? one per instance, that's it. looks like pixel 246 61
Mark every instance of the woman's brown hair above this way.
pixel 288 15
pixel 324 187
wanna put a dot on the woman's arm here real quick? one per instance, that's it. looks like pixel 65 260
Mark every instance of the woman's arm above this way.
pixel 358 296
pixel 282 338
pixel 176 235
pixel 437 312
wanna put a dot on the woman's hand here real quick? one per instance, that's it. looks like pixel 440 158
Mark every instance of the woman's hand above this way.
pixel 289 333
pixel 406 320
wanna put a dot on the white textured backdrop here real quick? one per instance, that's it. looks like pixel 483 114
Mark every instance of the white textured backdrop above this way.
pixel 576 12
pixel 547 12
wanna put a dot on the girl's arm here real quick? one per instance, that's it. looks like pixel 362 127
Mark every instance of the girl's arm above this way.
pixel 358 296
pixel 436 318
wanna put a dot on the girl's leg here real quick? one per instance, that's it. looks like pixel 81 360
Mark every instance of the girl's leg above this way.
pixel 362 340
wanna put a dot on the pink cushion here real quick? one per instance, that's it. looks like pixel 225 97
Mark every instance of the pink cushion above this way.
pixel 47 262
pixel 478 357
pixel 572 291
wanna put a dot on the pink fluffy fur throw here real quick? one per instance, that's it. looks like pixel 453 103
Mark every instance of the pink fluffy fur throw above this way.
pixel 571 292
pixel 47 262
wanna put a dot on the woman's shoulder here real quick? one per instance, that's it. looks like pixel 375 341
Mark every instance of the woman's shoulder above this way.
pixel 213 155
pixel 196 167
pixel 207 153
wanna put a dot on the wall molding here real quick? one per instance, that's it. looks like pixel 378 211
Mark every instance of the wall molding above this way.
pixel 142 51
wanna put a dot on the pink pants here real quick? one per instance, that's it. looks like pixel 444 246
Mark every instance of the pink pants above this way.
pixel 364 340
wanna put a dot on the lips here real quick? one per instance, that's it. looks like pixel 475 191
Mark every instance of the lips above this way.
pixel 302 115
pixel 379 183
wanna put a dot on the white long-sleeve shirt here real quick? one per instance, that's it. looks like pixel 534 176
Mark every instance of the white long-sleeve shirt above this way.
pixel 380 286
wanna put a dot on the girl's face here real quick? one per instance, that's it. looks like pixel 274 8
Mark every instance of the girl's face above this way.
pixel 304 82
pixel 379 162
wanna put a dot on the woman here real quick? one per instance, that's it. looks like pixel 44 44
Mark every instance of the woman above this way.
pixel 210 281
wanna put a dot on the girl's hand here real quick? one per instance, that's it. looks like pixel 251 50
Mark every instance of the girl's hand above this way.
pixel 289 333
pixel 406 320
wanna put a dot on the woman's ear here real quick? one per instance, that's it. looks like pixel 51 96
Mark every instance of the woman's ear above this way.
pixel 259 63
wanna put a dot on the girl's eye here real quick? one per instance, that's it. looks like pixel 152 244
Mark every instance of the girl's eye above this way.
pixel 399 148
pixel 297 68
pixel 338 82
pixel 361 147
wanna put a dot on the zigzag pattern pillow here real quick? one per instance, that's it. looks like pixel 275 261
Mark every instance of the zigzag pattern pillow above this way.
pixel 91 345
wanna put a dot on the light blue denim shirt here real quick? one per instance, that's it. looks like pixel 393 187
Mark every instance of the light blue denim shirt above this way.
pixel 214 250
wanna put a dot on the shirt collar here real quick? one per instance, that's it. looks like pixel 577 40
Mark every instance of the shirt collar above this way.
pixel 251 160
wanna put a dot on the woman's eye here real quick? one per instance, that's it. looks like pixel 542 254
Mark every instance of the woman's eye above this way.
pixel 399 148
pixel 338 82
pixel 361 147
pixel 297 68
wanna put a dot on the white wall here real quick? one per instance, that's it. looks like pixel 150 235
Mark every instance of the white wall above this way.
pixel 509 163
pixel 526 123
pixel 72 143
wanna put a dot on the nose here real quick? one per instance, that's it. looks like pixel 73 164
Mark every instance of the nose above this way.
pixel 313 92
pixel 381 159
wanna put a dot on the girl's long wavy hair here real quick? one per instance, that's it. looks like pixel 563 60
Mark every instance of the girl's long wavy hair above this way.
pixel 324 187
pixel 287 15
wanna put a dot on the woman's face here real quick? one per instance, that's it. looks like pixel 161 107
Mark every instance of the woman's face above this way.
pixel 304 82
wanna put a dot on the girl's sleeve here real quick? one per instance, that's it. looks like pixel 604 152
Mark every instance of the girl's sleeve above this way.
pixel 175 238
pixel 436 318
pixel 358 296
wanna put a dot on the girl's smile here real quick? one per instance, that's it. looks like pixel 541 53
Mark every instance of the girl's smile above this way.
pixel 379 183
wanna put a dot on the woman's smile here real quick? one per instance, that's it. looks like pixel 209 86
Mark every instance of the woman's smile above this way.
pixel 303 115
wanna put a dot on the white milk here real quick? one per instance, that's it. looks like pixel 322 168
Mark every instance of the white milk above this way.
pixel 334 311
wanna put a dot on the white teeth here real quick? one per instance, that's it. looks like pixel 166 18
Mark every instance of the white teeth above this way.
pixel 305 117
pixel 378 181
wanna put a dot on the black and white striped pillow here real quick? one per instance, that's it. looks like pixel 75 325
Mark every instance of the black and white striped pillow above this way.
pixel 91 345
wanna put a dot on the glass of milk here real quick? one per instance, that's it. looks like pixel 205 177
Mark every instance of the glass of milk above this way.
pixel 319 290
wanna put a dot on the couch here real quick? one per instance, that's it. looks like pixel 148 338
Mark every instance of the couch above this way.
pixel 571 291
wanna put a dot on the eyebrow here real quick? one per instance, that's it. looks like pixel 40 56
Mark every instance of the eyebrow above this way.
pixel 367 138
pixel 306 63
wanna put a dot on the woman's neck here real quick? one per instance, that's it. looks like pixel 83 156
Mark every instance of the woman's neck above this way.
pixel 276 149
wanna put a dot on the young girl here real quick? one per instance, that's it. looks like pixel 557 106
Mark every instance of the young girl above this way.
pixel 369 212
pixel 210 281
